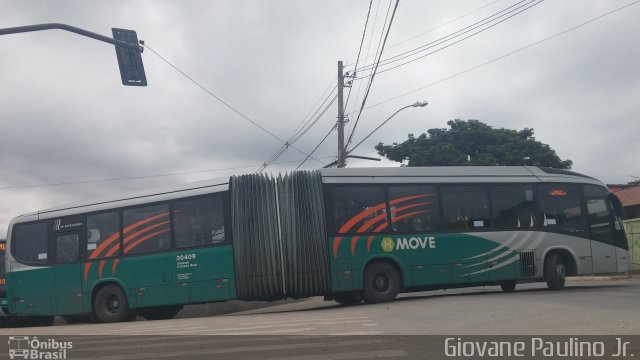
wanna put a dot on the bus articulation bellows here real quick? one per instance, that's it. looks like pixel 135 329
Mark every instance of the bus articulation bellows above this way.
pixel 350 235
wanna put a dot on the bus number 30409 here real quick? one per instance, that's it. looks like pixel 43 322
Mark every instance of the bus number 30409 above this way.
pixel 185 257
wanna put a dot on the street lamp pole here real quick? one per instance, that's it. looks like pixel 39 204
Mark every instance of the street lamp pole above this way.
pixel 416 104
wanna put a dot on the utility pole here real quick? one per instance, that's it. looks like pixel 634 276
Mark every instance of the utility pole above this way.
pixel 341 150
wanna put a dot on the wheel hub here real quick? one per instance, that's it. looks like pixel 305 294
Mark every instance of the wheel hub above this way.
pixel 113 304
pixel 381 283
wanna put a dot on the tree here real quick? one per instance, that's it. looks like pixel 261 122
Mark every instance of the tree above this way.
pixel 473 142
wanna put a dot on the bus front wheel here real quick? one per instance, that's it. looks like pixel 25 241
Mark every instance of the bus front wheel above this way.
pixel 111 305
pixel 554 272
pixel 381 283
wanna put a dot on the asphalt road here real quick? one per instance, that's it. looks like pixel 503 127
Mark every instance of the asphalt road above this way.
pixel 584 307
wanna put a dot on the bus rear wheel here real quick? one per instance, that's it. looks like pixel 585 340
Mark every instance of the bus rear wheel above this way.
pixel 111 305
pixel 555 272
pixel 381 283
pixel 160 313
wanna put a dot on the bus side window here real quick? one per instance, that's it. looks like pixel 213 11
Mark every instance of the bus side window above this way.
pixel 146 229
pixel 599 220
pixel 103 235
pixel 465 207
pixel 560 205
pixel 199 221
pixel 31 244
pixel 414 209
pixel 359 209
pixel 67 248
pixel 513 206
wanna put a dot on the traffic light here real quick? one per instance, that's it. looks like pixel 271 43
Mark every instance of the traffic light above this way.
pixel 129 60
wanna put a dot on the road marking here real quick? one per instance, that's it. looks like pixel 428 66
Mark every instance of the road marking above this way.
pixel 240 349
pixel 307 319
pixel 346 355
pixel 259 332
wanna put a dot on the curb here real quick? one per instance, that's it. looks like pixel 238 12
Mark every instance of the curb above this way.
pixel 600 278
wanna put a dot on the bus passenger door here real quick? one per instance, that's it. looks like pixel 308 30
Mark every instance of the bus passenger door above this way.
pixel 67 274
pixel 603 252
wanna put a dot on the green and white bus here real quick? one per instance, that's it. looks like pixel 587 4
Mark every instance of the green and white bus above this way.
pixel 350 235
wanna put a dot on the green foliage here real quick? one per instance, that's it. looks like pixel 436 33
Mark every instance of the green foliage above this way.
pixel 472 142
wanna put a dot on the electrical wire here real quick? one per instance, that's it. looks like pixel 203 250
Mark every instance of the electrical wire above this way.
pixel 373 74
pixel 317 146
pixel 505 55
pixel 510 12
pixel 437 27
pixel 225 103
pixel 364 32
pixel 146 176
pixel 299 135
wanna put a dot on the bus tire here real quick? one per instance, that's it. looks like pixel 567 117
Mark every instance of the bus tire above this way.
pixel 160 312
pixel 381 283
pixel 111 305
pixel 348 298
pixel 508 286
pixel 554 272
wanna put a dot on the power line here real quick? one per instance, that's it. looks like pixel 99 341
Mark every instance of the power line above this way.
pixel 225 103
pixel 464 38
pixel 373 29
pixel 504 56
pixel 439 26
pixel 144 176
pixel 364 32
pixel 373 74
pixel 299 134
pixel 479 24
pixel 317 146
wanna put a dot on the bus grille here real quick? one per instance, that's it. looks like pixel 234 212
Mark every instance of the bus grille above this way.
pixel 527 264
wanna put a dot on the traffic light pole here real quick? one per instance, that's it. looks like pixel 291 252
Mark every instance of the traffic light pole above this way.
pixel 128 49
pixel 51 26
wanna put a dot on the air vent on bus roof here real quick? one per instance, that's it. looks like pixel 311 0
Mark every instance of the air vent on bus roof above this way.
pixel 549 170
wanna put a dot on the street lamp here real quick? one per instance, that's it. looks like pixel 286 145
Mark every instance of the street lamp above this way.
pixel 416 104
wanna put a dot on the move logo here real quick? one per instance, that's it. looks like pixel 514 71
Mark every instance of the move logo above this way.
pixel 412 243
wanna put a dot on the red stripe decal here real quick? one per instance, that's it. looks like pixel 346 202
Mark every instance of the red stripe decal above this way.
pixel 409 214
pixel 114 266
pixel 86 270
pixel 396 201
pixel 379 228
pixel 103 245
pixel 142 239
pixel 364 227
pixel 142 222
pixel 139 232
pixel 100 268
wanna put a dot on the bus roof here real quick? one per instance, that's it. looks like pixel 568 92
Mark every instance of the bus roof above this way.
pixel 436 174
pixel 455 174
pixel 130 199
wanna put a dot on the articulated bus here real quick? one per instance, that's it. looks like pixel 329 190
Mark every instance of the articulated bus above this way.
pixel 350 235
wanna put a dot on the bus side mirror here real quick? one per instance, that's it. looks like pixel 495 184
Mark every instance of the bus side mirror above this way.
pixel 129 61
pixel 618 208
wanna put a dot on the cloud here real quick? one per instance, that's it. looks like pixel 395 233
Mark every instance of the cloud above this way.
pixel 66 117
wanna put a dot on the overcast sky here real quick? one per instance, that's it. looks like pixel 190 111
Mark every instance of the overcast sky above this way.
pixel 65 117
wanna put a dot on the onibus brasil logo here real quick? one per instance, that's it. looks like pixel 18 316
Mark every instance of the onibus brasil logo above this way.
pixel 26 347
pixel 411 243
